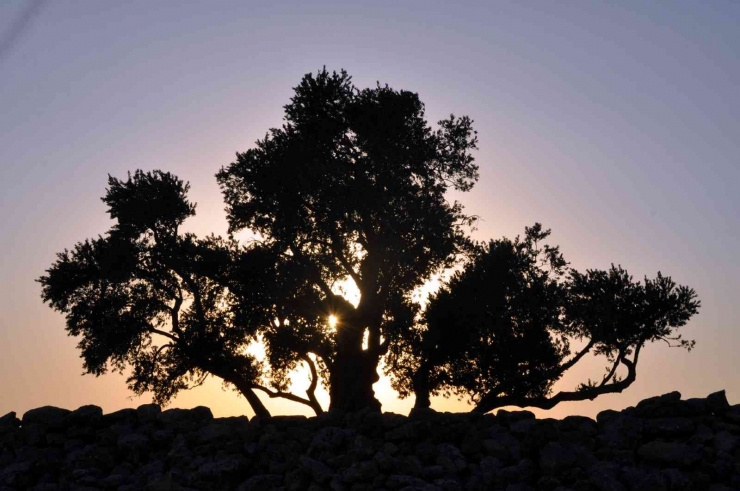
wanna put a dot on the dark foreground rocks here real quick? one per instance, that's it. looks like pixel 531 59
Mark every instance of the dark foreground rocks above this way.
pixel 662 444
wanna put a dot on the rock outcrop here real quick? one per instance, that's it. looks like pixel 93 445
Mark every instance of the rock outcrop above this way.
pixel 662 444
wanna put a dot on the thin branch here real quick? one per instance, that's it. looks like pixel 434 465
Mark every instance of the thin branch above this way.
pixel 611 372
pixel 343 260
pixel 316 277
pixel 165 334
pixel 324 354
pixel 668 340
pixel 577 357
pixel 279 393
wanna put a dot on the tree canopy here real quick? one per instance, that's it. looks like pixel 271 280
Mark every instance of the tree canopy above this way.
pixel 352 188
pixel 502 330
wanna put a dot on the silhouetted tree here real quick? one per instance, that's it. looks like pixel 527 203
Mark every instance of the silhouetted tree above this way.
pixel 351 189
pixel 170 307
pixel 500 332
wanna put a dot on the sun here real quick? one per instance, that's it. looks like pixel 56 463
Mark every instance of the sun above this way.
pixel 333 321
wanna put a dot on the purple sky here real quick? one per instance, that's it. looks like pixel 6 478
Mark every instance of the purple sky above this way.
pixel 617 127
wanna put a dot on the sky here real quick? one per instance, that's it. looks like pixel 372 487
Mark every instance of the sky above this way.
pixel 617 126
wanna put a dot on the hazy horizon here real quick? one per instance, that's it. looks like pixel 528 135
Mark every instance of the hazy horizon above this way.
pixel 615 126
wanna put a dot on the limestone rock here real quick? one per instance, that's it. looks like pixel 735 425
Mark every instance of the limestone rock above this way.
pixel 670 453
pixel 45 416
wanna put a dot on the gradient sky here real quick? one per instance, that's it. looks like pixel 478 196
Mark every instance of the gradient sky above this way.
pixel 616 126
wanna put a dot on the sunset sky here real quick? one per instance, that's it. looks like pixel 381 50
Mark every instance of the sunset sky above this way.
pixel 616 126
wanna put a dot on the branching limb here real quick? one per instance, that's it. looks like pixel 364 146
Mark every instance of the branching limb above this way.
pixel 175 314
pixel 165 334
pixel 491 402
pixel 279 393
pixel 315 277
pixel 611 373
pixel 343 260
pixel 576 358
pixel 311 391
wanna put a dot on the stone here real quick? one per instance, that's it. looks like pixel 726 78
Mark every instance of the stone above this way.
pixel 676 480
pixel 554 458
pixel 447 484
pixel 524 470
pixel 508 417
pixel 9 421
pixel 703 434
pixel 621 432
pixel 213 433
pixel 519 486
pixel 662 406
pixel 49 416
pixel 583 425
pixel 148 412
pixel 694 407
pixel 121 416
pixel 220 468
pixel 329 439
pixel 361 472
pixel 668 427
pixel 85 415
pixel 724 441
pixel 12 475
pixel 297 479
pixel 603 476
pixel 717 402
pixel 133 442
pixel 261 482
pixel 662 444
pixel 400 481
pixel 670 453
pixel 320 472
pixel 451 458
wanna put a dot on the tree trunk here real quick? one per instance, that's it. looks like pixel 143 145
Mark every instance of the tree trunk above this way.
pixel 352 382
pixel 254 401
pixel 421 389
pixel 353 373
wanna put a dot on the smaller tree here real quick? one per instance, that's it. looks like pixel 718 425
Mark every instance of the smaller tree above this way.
pixel 171 307
pixel 502 331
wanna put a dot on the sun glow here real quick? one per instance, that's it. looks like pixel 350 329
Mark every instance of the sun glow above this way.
pixel 333 321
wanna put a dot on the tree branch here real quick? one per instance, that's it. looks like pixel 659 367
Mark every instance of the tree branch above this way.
pixel 612 371
pixel 279 393
pixel 489 403
pixel 175 311
pixel 316 277
pixel 343 260
pixel 311 391
pixel 576 358
pixel 165 334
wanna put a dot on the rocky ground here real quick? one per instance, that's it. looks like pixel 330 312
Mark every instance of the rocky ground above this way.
pixel 664 443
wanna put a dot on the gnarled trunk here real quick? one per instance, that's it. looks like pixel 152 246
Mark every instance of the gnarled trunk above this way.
pixel 353 373
pixel 352 383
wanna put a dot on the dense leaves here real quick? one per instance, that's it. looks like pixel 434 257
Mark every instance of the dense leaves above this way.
pixel 352 190
pixel 502 329
pixel 149 298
